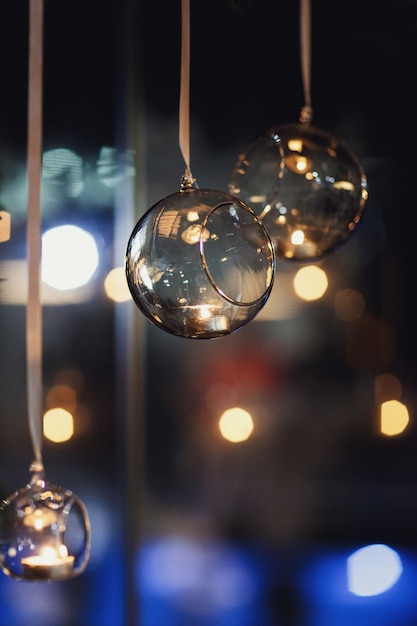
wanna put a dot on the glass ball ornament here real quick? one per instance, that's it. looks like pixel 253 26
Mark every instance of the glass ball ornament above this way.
pixel 306 186
pixel 199 263
pixel 44 532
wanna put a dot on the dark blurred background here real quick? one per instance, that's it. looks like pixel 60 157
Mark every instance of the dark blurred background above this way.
pixel 188 528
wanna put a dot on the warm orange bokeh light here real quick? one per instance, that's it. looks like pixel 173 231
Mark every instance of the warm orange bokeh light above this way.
pixel 236 425
pixel 349 305
pixel 58 425
pixel 63 396
pixel 310 282
pixel 115 285
pixel 394 417
pixel 387 387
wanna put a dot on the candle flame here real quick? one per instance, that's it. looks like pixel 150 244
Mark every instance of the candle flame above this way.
pixel 51 555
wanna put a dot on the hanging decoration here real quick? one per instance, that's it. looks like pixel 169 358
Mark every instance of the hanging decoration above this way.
pixel 44 529
pixel 199 263
pixel 306 185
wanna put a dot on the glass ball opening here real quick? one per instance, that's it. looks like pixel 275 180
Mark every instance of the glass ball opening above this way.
pixel 306 186
pixel 44 533
pixel 200 264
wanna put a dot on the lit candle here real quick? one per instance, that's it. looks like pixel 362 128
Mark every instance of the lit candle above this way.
pixel 205 321
pixel 48 566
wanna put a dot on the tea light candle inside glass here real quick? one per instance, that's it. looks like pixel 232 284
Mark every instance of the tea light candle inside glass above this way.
pixel 200 264
pixel 49 565
pixel 306 186
pixel 44 532
pixel 202 319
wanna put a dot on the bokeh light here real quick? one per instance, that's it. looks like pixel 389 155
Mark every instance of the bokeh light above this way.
pixel 63 396
pixel 310 282
pixel 370 344
pixel 62 169
pixel 69 257
pixel 70 377
pixel 394 417
pixel 194 579
pixel 349 305
pixel 4 226
pixel 236 424
pixel 58 425
pixel 372 570
pixel 387 387
pixel 115 285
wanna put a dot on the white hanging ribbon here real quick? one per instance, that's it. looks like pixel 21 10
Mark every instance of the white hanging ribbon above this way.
pixel 184 104
pixel 34 240
pixel 305 53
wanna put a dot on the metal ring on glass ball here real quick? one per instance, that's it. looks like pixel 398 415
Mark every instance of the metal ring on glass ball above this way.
pixel 44 533
pixel 200 264
pixel 306 186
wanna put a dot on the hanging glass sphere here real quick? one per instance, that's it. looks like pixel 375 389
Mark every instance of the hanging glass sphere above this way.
pixel 199 263
pixel 306 186
pixel 44 533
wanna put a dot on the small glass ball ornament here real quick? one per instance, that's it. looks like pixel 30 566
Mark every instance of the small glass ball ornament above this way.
pixel 306 186
pixel 199 263
pixel 44 532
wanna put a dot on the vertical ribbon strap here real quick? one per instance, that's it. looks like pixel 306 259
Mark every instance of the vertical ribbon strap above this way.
pixel 305 53
pixel 34 240
pixel 184 105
